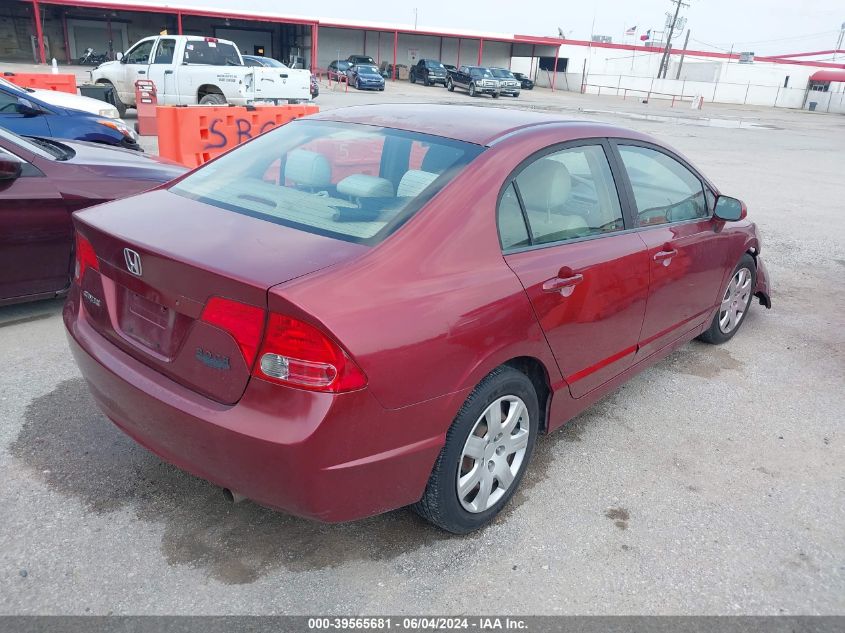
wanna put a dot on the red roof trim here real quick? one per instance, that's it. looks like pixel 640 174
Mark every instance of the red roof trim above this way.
pixel 832 51
pixel 553 41
pixel 521 39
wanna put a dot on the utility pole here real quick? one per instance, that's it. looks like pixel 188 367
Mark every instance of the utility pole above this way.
pixel 839 42
pixel 681 62
pixel 664 61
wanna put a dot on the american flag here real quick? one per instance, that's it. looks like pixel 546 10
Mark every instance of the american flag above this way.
pixel 631 31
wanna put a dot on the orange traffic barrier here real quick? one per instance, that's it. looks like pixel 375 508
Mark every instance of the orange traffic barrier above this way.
pixel 193 135
pixel 45 81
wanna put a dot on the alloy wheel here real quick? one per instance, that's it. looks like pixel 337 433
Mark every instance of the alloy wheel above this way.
pixel 493 454
pixel 735 301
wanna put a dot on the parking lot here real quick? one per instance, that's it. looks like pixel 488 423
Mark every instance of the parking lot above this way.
pixel 713 483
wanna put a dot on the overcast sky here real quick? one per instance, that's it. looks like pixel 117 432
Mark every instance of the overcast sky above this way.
pixel 763 26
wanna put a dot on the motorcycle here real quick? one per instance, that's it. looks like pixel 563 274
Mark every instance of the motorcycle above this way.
pixel 92 58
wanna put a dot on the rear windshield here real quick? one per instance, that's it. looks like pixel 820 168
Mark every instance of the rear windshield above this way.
pixel 353 182
pixel 212 53
pixel 501 73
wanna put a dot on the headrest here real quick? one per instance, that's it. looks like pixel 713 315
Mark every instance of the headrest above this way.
pixel 364 186
pixel 309 169
pixel 545 185
pixel 414 182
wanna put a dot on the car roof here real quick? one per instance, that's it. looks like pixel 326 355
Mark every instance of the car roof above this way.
pixel 481 125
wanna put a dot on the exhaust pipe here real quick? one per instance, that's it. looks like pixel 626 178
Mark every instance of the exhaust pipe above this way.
pixel 232 496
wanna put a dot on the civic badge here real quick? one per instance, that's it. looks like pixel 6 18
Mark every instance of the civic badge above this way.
pixel 133 261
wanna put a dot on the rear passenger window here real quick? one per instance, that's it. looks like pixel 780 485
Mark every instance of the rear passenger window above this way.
pixel 512 230
pixel 569 194
pixel 664 190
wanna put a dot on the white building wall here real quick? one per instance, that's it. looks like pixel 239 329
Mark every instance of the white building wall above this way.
pixel 496 54
pixel 338 44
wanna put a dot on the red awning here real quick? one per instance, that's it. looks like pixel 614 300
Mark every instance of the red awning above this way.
pixel 828 75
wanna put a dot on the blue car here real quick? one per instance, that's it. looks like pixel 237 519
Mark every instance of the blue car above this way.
pixel 27 115
pixel 365 77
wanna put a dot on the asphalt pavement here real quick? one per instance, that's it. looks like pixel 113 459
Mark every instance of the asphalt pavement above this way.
pixel 712 483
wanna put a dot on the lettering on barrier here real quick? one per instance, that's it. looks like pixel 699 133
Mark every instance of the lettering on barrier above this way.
pixel 244 130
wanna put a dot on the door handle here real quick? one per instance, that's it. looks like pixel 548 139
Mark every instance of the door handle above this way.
pixel 142 72
pixel 665 256
pixel 168 72
pixel 564 285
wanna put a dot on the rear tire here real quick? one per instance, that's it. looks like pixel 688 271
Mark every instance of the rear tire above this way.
pixel 736 300
pixel 213 98
pixel 495 95
pixel 487 461
pixel 450 86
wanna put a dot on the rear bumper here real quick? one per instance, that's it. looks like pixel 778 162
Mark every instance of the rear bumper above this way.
pixel 762 290
pixel 322 456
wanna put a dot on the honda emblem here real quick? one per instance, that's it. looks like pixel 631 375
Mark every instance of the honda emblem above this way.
pixel 133 261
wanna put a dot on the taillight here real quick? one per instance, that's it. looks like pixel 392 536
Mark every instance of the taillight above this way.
pixel 298 354
pixel 85 257
pixel 243 321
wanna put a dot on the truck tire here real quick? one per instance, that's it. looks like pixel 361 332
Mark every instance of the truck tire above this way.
pixel 495 95
pixel 213 98
pixel 121 107
pixel 472 91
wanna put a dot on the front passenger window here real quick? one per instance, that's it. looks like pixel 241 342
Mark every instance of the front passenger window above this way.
pixel 164 52
pixel 140 54
pixel 664 190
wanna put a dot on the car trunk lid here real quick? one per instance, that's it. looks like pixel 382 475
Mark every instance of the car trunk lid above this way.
pixel 162 257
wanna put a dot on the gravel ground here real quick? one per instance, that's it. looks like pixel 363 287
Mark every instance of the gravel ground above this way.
pixel 712 483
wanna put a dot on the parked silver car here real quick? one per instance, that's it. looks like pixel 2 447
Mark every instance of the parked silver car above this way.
pixel 508 84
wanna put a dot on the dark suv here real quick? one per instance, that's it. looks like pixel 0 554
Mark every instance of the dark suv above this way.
pixel 360 59
pixel 429 71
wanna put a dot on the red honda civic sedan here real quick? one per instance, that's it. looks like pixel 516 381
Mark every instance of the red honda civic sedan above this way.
pixel 384 306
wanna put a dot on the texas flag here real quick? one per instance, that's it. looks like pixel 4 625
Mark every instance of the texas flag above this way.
pixel 646 36
pixel 631 31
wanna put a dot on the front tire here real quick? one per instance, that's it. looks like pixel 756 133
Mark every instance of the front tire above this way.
pixel 450 86
pixel 735 303
pixel 213 98
pixel 471 91
pixel 487 451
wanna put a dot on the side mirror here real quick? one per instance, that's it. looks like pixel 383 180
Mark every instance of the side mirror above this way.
pixel 119 57
pixel 730 209
pixel 10 167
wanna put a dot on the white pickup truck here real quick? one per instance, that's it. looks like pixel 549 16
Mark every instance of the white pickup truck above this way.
pixel 189 69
